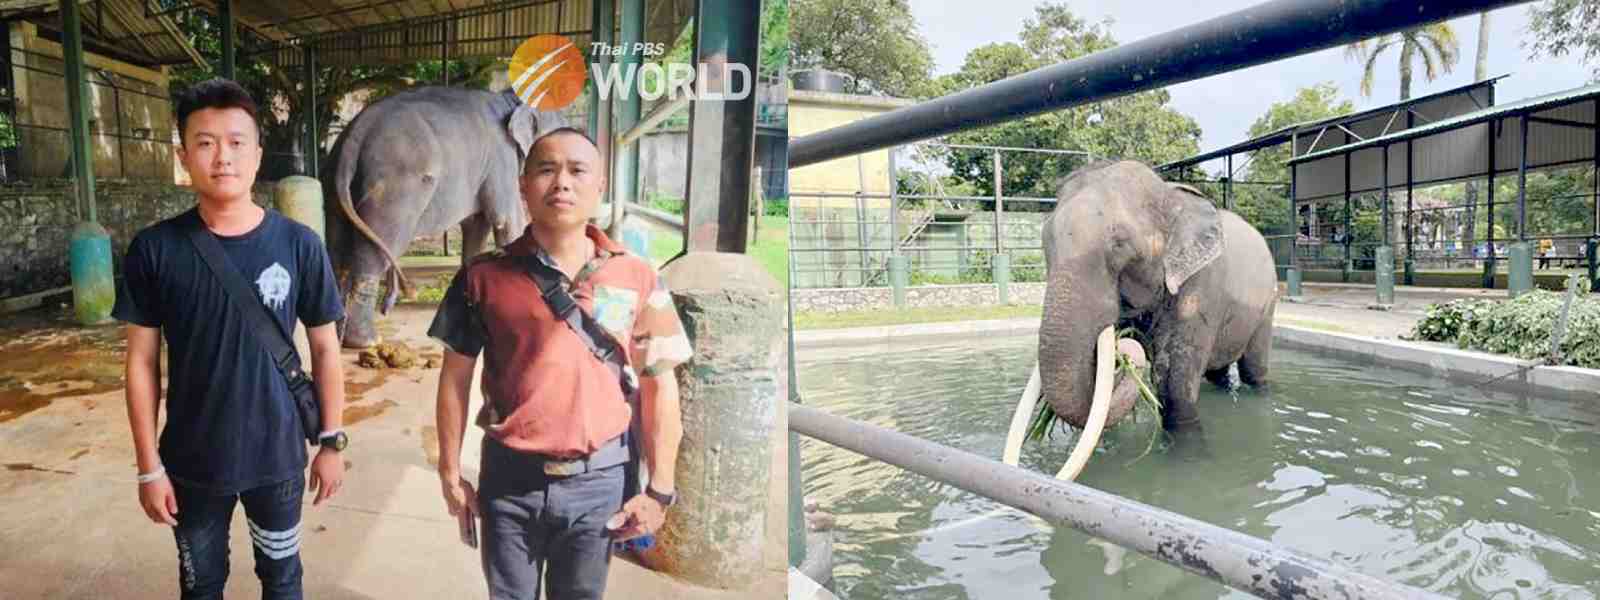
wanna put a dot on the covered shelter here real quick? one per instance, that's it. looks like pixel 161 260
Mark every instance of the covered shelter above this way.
pixel 1336 169
pixel 125 49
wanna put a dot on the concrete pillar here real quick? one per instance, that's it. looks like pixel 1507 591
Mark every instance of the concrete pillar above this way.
pixel 625 160
pixel 300 198
pixel 1592 250
pixel 1385 275
pixel 733 312
pixel 1292 277
pixel 1001 266
pixel 1521 278
pixel 899 278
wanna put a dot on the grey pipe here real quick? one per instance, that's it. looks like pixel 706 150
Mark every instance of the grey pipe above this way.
pixel 1257 35
pixel 1234 559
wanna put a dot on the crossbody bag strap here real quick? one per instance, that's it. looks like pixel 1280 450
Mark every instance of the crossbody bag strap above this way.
pixel 600 343
pixel 260 323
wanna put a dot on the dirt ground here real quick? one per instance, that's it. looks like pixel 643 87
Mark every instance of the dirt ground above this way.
pixel 73 528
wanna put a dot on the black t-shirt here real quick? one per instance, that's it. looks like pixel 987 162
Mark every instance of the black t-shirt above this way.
pixel 231 421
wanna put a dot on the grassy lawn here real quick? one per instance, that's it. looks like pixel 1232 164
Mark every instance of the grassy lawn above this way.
pixel 771 248
pixel 942 314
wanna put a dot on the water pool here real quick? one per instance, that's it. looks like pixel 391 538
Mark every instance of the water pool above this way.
pixel 1465 492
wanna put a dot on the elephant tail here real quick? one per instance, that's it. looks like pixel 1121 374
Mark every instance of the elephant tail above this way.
pixel 349 156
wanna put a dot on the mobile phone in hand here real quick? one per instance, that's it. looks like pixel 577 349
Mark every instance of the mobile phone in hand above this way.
pixel 469 528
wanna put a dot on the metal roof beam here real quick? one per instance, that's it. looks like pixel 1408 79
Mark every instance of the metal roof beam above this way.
pixel 1562 122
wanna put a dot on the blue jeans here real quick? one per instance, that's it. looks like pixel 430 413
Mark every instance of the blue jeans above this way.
pixel 273 512
pixel 532 521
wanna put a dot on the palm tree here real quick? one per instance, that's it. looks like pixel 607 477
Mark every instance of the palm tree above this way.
pixel 1435 44
pixel 1480 72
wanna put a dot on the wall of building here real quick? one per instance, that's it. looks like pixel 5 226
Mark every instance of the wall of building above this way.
pixel 811 112
pixel 37 218
pixel 131 122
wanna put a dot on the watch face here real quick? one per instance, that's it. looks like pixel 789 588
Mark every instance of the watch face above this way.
pixel 338 441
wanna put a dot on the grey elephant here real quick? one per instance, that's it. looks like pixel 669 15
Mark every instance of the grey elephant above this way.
pixel 412 165
pixel 1125 249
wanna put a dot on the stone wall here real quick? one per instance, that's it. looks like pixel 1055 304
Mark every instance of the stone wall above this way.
pixel 847 299
pixel 37 218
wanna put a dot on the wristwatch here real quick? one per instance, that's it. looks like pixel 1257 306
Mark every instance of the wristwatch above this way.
pixel 665 499
pixel 337 441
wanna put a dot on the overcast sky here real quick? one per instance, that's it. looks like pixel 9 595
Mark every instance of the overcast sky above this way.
pixel 1225 105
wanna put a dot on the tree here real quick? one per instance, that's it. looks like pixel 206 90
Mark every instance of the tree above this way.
pixel 876 43
pixel 1435 44
pixel 1267 207
pixel 1138 126
pixel 1480 72
pixel 1562 26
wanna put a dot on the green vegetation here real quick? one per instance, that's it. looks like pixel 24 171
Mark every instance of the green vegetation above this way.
pixel 1146 405
pixel 1562 26
pixel 906 316
pixel 1435 45
pixel 876 43
pixel 431 292
pixel 1520 327
pixel 771 249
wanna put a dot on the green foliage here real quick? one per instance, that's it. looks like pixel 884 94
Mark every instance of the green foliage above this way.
pixel 664 203
pixel 1435 44
pixel 1520 327
pixel 1140 126
pixel 1563 26
pixel 876 43
pixel 776 207
pixel 1267 207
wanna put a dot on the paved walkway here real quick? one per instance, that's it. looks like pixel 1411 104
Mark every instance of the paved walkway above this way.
pixel 72 527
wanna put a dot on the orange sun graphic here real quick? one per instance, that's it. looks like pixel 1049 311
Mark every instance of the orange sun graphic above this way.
pixel 547 72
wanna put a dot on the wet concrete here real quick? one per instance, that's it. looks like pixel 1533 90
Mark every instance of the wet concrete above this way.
pixel 73 527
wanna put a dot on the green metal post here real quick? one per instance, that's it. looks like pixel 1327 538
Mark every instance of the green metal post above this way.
pixel 722 126
pixel 225 12
pixel 313 149
pixel 1347 266
pixel 797 517
pixel 1291 275
pixel 1411 238
pixel 1000 263
pixel 625 161
pixel 89 250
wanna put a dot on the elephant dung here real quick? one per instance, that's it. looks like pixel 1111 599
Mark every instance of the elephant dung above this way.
pixel 388 354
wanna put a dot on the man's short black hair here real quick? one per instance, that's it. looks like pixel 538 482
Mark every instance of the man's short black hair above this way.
pixel 568 130
pixel 214 93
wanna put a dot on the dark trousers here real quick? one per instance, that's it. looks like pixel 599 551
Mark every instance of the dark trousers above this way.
pixel 273 512
pixel 538 526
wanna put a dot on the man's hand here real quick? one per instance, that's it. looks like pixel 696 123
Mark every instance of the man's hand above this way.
pixel 644 516
pixel 327 474
pixel 158 501
pixel 459 496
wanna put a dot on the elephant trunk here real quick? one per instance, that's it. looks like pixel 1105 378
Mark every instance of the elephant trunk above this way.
pixel 1078 306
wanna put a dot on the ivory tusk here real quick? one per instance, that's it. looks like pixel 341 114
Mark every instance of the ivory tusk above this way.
pixel 1019 420
pixel 1105 355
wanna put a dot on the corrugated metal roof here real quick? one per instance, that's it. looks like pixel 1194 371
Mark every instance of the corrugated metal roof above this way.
pixel 352 31
pixel 1488 114
pixel 1283 135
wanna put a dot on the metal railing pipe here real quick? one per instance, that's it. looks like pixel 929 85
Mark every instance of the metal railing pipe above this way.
pixel 1240 561
pixel 1257 35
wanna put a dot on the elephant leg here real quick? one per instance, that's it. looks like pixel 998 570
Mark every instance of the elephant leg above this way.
pixel 474 237
pixel 1180 358
pixel 1219 378
pixel 1253 365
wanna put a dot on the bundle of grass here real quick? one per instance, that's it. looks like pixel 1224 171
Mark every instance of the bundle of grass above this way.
pixel 1131 365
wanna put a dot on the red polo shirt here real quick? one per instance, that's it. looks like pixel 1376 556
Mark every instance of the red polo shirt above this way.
pixel 545 392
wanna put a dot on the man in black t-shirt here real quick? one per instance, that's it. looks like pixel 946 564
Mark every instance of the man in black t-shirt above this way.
pixel 232 434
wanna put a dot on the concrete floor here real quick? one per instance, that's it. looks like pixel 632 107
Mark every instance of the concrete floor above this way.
pixel 72 526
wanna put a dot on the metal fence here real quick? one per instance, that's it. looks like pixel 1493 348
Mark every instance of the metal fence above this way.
pixel 845 239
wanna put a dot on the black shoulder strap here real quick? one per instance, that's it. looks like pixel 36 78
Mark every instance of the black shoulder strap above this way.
pixel 600 343
pixel 261 324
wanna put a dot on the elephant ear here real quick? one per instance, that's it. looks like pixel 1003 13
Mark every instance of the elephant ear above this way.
pixel 523 125
pixel 1196 237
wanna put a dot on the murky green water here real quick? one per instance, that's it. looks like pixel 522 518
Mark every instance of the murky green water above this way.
pixel 1467 493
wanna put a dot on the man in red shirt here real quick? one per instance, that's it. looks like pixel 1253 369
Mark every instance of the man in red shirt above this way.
pixel 555 416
